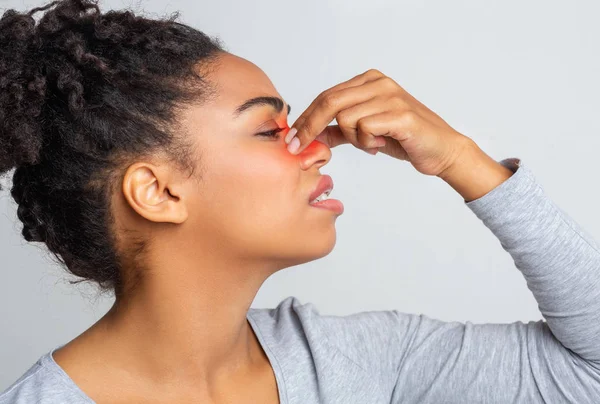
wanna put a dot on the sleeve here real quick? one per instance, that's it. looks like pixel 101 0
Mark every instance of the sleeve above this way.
pixel 556 360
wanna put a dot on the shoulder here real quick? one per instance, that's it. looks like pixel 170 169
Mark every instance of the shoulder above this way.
pixel 291 315
pixel 42 384
pixel 362 338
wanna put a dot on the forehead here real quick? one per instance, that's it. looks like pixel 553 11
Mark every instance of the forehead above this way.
pixel 237 80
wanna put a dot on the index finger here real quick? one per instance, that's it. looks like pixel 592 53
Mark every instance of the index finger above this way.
pixel 369 75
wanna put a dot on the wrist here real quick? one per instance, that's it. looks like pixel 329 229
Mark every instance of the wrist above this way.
pixel 474 173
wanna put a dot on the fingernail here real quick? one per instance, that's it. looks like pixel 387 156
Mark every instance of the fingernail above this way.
pixel 294 145
pixel 380 142
pixel 373 152
pixel 290 135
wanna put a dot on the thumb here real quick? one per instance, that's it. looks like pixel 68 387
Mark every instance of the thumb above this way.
pixel 332 136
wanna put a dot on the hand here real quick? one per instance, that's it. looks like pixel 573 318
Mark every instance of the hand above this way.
pixel 374 113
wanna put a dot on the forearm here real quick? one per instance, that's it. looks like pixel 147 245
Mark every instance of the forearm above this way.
pixel 559 260
pixel 474 174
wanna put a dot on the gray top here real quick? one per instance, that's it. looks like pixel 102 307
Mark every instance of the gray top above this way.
pixel 394 357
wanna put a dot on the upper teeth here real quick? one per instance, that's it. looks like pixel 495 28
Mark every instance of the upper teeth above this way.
pixel 324 195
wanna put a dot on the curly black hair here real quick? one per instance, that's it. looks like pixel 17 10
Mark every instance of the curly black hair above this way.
pixel 83 94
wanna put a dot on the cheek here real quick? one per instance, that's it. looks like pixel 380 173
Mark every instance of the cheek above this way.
pixel 257 186
pixel 255 197
pixel 271 181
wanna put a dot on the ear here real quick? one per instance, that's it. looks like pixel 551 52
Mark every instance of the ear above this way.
pixel 153 193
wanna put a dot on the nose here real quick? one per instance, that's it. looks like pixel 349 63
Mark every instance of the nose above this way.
pixel 315 154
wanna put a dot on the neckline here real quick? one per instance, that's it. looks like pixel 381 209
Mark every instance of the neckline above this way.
pixel 273 360
pixel 48 361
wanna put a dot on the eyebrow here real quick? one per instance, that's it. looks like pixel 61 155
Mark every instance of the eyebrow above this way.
pixel 275 102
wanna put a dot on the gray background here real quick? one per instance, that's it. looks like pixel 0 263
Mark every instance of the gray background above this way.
pixel 520 78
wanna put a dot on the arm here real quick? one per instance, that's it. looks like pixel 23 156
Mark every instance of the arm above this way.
pixel 425 360
pixel 560 263
pixel 474 174
pixel 554 361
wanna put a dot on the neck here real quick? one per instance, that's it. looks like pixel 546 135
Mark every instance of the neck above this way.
pixel 187 323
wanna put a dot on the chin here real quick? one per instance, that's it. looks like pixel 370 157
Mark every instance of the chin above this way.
pixel 317 246
pixel 306 250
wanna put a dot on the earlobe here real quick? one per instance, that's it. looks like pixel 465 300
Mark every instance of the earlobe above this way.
pixel 146 189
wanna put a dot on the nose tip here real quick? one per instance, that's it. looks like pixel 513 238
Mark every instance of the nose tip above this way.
pixel 316 153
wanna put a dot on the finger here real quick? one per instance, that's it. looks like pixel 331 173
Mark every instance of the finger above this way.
pixel 407 128
pixel 369 75
pixel 332 136
pixel 399 126
pixel 359 80
pixel 348 119
pixel 328 107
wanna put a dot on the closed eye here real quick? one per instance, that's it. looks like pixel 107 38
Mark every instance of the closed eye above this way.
pixel 272 133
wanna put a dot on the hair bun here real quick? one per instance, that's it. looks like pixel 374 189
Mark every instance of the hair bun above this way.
pixel 83 94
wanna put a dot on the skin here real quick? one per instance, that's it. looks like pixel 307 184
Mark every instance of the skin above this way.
pixel 183 329
pixel 182 334
pixel 374 113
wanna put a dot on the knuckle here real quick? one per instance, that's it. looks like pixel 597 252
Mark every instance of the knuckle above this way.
pixel 343 119
pixel 409 117
pixel 397 102
pixel 388 82
pixel 326 93
pixel 362 125
pixel 373 73
pixel 330 101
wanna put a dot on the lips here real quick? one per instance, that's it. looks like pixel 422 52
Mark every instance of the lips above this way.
pixel 325 183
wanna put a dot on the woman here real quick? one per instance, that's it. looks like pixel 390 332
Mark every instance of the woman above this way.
pixel 156 164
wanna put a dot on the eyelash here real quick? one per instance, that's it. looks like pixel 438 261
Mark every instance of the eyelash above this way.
pixel 272 133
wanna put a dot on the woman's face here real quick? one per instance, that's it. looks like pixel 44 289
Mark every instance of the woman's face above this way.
pixel 252 200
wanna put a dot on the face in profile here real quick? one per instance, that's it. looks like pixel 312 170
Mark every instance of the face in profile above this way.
pixel 251 203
